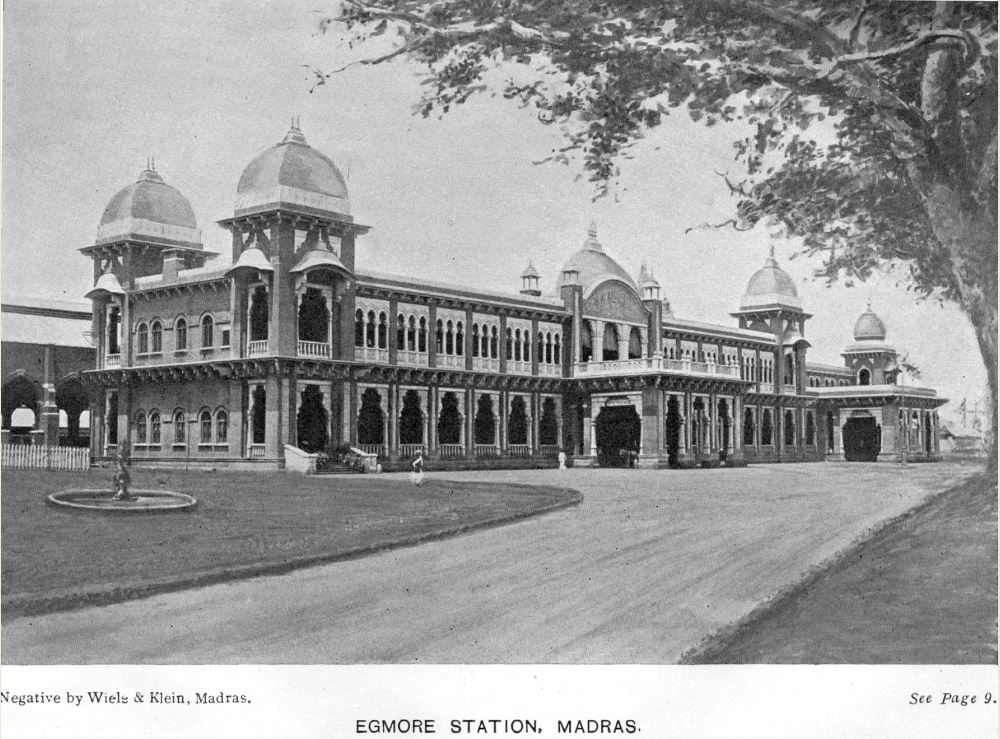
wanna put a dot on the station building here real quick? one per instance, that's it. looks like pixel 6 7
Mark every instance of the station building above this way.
pixel 288 346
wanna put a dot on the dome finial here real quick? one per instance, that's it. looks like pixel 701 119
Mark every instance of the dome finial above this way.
pixel 294 135
pixel 149 173
pixel 592 243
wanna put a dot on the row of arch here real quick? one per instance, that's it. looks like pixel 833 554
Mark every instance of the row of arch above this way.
pixel 149 335
pixel 212 428
pixel 765 430
pixel 371 330
pixel 371 420
pixel 816 381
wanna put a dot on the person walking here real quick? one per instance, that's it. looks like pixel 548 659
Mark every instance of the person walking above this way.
pixel 417 475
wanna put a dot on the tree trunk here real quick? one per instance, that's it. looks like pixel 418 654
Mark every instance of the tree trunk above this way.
pixel 984 321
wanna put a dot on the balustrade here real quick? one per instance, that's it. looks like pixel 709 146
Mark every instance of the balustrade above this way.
pixel 255 451
pixel 487 450
pixel 410 450
pixel 257 348
pixel 451 450
pixel 112 360
pixel 371 354
pixel 519 450
pixel 411 357
pixel 486 365
pixel 376 449
pixel 319 349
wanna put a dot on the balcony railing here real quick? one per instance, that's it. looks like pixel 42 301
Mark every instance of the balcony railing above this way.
pixel 371 354
pixel 519 450
pixel 518 367
pixel 547 450
pixel 656 364
pixel 410 450
pixel 550 370
pixel 451 360
pixel 377 449
pixel 451 450
pixel 788 389
pixel 487 450
pixel 411 357
pixel 319 349
pixel 112 361
pixel 257 348
pixel 255 451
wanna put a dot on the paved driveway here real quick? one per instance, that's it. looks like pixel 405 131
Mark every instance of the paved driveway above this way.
pixel 650 563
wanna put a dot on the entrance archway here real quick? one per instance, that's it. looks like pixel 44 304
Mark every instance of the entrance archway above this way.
pixel 311 421
pixel 618 430
pixel 411 419
pixel 673 429
pixel 371 419
pixel 862 439
pixel 72 399
pixel 20 393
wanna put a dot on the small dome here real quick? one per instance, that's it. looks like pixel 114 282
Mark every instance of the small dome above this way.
pixel 530 271
pixel 869 327
pixel 148 209
pixel 593 265
pixel 646 278
pixel 294 174
pixel 770 285
pixel 107 284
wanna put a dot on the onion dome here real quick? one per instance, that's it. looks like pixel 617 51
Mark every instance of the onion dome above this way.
pixel 107 285
pixel 770 286
pixel 293 175
pixel 869 327
pixel 252 259
pixel 592 266
pixel 149 210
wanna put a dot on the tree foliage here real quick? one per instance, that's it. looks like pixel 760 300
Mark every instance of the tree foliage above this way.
pixel 873 125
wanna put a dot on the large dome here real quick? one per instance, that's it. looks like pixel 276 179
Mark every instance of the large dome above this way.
pixel 770 285
pixel 869 327
pixel 149 209
pixel 593 266
pixel 292 174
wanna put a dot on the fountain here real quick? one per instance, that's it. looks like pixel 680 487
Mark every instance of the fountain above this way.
pixel 122 498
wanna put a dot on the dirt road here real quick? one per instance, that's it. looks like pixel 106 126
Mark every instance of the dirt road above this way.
pixel 650 563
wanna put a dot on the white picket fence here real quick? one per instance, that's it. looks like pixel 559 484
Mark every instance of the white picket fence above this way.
pixel 24 457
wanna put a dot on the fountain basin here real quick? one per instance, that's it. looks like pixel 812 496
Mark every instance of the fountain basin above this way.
pixel 143 501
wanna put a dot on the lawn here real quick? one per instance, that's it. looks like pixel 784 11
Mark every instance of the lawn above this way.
pixel 923 590
pixel 245 524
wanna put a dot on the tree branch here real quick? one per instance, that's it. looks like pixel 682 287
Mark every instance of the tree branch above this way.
pixel 928 39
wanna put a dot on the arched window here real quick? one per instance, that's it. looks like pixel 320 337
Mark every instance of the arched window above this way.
pixel 789 369
pixel 142 339
pixel 494 343
pixel 548 347
pixel 509 351
pixel 180 335
pixel 541 347
pixel 205 423
pixel 180 427
pixel 140 427
pixel 459 339
pixel 422 335
pixel 635 343
pixel 486 342
pixel 221 426
pixel 475 339
pixel 439 337
pixel 766 428
pixel 383 331
pixel 359 328
pixel 449 339
pixel 401 333
pixel 259 313
pixel 829 431
pixel 810 429
pixel 749 427
pixel 556 353
pixel 370 330
pixel 586 342
pixel 411 334
pixel 154 428
pixel 156 337
pixel 610 351
pixel 864 377
pixel 517 345
pixel 789 428
pixel 207 329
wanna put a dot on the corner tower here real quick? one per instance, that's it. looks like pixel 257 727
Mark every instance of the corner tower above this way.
pixel 293 253
pixel 771 305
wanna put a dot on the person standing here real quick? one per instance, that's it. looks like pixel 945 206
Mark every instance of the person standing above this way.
pixel 417 475
pixel 562 459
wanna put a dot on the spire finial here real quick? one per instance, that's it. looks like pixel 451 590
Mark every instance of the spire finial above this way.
pixel 592 229
pixel 771 253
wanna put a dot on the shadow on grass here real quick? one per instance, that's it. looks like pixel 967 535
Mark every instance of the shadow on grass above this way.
pixel 245 525
pixel 920 590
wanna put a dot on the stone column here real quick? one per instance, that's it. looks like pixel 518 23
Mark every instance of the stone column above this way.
pixel 624 334
pixel 504 403
pixel 470 417
pixel 433 393
pixel 597 341
pixel 49 419
pixel 536 411
pixel 393 416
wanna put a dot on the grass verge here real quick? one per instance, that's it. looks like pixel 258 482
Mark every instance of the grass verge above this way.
pixel 921 590
pixel 245 524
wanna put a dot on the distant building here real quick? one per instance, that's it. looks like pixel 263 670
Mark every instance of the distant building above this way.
pixel 46 348
pixel 291 345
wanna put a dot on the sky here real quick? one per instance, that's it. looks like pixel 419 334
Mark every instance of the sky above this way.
pixel 90 90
